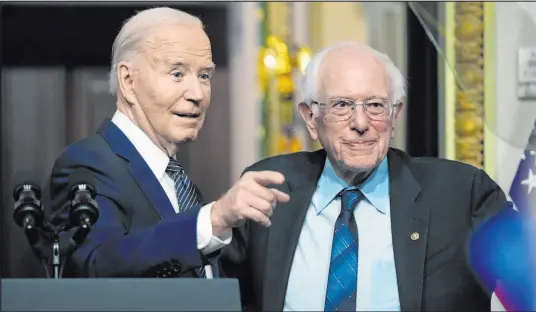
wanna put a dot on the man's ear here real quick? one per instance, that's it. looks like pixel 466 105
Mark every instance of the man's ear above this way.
pixel 396 114
pixel 398 109
pixel 125 81
pixel 308 117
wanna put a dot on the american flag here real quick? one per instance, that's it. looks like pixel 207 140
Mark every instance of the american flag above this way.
pixel 523 189
pixel 503 250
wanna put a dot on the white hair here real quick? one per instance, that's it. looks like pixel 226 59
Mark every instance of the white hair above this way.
pixel 134 32
pixel 309 89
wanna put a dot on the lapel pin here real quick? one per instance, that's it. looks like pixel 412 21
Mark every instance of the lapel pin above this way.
pixel 414 236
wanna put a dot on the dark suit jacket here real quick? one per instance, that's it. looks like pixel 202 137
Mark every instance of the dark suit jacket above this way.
pixel 138 232
pixel 442 200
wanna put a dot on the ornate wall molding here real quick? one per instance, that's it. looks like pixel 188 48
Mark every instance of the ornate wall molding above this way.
pixel 469 89
pixel 490 138
pixel 469 65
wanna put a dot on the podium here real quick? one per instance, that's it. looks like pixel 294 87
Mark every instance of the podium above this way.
pixel 120 294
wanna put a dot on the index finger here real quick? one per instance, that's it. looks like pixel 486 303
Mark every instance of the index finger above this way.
pixel 267 177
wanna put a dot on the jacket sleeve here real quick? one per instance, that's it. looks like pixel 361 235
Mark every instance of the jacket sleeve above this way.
pixel 501 249
pixel 235 263
pixel 111 248
pixel 487 201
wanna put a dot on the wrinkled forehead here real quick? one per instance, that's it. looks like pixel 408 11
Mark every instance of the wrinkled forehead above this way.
pixel 352 74
pixel 169 44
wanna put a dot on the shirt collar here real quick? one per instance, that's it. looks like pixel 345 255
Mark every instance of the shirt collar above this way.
pixel 155 158
pixel 375 188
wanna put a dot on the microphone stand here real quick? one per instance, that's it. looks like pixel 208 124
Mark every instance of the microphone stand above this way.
pixel 55 233
pixel 56 255
pixel 78 237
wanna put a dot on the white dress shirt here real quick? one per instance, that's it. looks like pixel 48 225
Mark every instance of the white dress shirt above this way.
pixel 158 161
pixel 377 288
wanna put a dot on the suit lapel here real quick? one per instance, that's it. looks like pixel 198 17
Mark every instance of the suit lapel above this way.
pixel 287 222
pixel 409 224
pixel 138 168
pixel 146 180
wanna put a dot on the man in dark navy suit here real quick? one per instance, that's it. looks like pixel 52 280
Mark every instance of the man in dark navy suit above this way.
pixel 153 221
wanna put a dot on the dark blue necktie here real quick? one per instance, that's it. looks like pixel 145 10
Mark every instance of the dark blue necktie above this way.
pixel 188 195
pixel 342 280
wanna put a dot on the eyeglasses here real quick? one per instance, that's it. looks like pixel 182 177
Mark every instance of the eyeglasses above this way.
pixel 343 109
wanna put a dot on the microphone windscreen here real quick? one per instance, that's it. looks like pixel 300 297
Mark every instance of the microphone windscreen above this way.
pixel 81 176
pixel 25 177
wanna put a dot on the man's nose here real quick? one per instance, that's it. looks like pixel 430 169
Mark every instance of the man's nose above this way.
pixel 194 92
pixel 360 121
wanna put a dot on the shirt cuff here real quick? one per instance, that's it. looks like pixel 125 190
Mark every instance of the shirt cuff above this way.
pixel 206 242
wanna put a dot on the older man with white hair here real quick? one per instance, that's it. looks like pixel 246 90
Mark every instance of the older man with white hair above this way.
pixel 367 227
pixel 153 221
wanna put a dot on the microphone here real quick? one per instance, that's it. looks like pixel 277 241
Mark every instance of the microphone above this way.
pixel 83 211
pixel 28 212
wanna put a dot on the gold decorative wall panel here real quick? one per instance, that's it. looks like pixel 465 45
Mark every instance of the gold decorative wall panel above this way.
pixel 469 91
pixel 278 58
pixel 274 71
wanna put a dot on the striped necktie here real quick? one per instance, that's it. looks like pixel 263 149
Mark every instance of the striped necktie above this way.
pixel 188 196
pixel 342 279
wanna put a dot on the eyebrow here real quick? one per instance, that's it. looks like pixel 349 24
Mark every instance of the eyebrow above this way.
pixel 211 67
pixel 366 99
pixel 376 98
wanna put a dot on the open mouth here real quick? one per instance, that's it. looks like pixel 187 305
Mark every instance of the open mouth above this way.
pixel 187 115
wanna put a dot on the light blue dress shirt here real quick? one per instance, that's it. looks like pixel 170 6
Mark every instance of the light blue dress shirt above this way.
pixel 377 288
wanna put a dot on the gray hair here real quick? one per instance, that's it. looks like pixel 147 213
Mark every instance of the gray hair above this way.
pixel 309 89
pixel 134 31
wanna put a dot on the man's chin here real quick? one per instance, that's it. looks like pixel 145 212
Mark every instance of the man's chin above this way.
pixel 186 136
pixel 360 163
pixel 185 140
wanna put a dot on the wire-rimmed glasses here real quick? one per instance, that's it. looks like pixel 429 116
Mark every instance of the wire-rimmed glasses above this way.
pixel 343 109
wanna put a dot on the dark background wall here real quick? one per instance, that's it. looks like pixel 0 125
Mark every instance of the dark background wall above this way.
pixel 422 118
pixel 82 35
pixel 55 59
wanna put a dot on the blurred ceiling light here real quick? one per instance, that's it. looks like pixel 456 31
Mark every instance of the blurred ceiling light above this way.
pixel 280 58
pixel 270 62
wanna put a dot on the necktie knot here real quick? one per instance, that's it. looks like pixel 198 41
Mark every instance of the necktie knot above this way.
pixel 350 198
pixel 173 167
